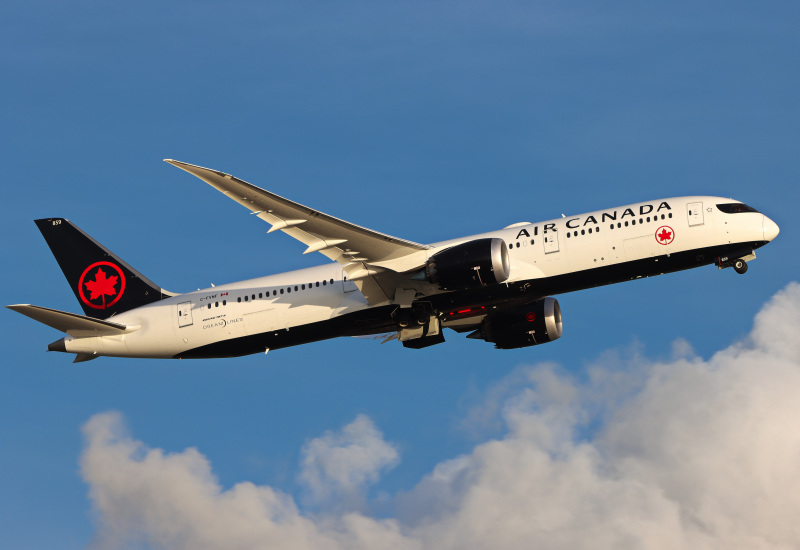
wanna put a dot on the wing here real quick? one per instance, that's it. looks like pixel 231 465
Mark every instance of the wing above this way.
pixel 371 259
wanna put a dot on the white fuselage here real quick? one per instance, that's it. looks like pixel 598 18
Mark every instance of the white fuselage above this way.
pixel 539 253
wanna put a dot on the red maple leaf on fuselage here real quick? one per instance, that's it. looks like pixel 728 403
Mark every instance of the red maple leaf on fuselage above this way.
pixel 665 235
pixel 102 285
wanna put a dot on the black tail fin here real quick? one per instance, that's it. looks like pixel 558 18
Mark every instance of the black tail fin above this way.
pixel 102 282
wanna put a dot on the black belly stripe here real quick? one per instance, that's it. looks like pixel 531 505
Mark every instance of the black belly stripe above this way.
pixel 377 320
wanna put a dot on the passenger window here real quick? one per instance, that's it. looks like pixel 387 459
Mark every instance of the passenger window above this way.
pixel 331 281
pixel 670 214
pixel 583 232
pixel 324 283
pixel 239 299
pixel 216 304
pixel 569 234
pixel 626 224
pixel 274 292
pixel 288 289
pixel 590 230
pixel 245 298
pixel 295 288
pixel 259 295
pixel 317 283
pixel 209 306
pixel 281 291
pixel 531 241
pixel 224 302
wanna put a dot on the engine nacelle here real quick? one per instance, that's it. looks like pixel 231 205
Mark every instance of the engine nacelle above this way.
pixel 530 325
pixel 470 265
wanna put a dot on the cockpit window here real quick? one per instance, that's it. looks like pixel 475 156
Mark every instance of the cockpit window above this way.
pixel 735 208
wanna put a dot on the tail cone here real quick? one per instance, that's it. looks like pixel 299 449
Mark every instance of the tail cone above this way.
pixel 58 345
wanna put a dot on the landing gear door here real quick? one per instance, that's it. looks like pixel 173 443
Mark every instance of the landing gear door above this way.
pixel 695 212
pixel 550 242
pixel 184 314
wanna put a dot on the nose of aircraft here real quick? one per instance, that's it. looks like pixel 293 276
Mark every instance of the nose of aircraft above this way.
pixel 771 229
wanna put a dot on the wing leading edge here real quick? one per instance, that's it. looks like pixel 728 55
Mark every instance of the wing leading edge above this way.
pixel 366 256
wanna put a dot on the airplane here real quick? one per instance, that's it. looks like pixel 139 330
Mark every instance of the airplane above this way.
pixel 495 286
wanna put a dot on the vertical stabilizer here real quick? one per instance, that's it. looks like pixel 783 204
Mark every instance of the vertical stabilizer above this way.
pixel 102 282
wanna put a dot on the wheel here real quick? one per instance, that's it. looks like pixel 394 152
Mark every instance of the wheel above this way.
pixel 740 267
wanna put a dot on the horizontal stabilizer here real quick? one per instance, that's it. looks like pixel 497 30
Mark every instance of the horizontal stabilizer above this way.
pixel 73 324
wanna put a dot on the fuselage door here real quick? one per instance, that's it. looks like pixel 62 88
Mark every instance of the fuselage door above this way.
pixel 184 314
pixel 695 212
pixel 347 284
pixel 550 242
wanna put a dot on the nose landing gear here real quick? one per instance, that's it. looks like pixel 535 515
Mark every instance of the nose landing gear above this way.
pixel 737 259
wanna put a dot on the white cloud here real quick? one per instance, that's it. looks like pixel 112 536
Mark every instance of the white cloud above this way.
pixel 339 466
pixel 174 501
pixel 686 453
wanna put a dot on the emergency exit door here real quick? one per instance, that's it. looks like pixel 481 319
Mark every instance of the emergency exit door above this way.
pixel 550 242
pixel 347 284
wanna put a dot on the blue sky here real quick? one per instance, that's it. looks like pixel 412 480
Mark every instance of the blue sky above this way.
pixel 422 120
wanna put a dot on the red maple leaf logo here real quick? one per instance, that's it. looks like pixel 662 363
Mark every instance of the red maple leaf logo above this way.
pixel 665 235
pixel 102 286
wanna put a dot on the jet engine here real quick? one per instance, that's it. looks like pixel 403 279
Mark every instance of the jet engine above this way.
pixel 472 264
pixel 530 325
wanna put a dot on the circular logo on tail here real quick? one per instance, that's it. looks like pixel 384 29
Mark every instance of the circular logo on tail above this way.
pixel 101 285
